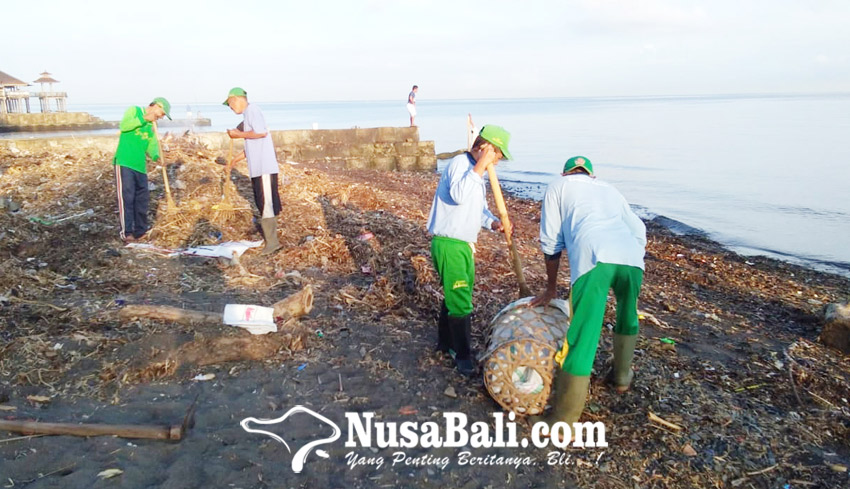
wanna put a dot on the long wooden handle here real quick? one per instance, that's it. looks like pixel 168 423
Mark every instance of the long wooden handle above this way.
pixel 125 431
pixel 524 291
pixel 167 186
pixel 229 159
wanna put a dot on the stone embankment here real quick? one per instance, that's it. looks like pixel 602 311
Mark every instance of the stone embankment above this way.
pixel 381 148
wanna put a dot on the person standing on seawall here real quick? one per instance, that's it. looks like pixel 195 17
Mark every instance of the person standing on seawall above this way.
pixel 136 143
pixel 411 105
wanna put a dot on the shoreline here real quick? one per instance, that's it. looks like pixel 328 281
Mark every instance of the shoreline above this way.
pixel 748 414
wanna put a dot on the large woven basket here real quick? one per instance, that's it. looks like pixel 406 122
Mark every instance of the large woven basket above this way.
pixel 521 346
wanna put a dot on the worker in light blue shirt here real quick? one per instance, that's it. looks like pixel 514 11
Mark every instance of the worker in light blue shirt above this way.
pixel 458 212
pixel 262 163
pixel 605 242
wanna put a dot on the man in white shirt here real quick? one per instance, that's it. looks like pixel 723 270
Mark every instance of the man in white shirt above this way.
pixel 411 104
pixel 262 163
pixel 605 242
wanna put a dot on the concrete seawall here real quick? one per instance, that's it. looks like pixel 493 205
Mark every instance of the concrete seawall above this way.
pixel 380 148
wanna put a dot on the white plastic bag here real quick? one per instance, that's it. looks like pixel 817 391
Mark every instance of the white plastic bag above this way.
pixel 256 319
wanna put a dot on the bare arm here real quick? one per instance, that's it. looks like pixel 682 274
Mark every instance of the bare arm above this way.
pixel 237 134
pixel 553 262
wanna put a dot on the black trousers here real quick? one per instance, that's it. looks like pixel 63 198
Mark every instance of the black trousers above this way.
pixel 266 196
pixel 133 201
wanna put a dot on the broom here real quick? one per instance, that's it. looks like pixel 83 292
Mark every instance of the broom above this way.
pixel 226 210
pixel 173 215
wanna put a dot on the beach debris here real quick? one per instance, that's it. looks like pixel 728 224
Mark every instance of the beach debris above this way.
pixel 450 392
pixel 172 432
pixel 256 319
pixel 39 399
pixel 110 473
pixel 733 432
pixel 836 328
pixel 203 377
pixel 407 410
pixel 656 419
pixel 223 250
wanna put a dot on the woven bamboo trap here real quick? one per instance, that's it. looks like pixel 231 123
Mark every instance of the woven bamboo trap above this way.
pixel 519 361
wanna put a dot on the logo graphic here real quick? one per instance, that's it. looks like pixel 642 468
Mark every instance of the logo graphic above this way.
pixel 301 455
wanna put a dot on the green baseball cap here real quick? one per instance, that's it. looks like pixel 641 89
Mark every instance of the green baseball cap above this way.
pixel 235 92
pixel 578 162
pixel 164 104
pixel 498 137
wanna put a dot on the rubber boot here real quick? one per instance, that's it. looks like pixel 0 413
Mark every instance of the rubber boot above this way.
pixel 444 335
pixel 461 329
pixel 621 373
pixel 568 400
pixel 269 225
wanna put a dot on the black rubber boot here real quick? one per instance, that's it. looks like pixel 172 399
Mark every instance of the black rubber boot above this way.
pixel 461 329
pixel 444 334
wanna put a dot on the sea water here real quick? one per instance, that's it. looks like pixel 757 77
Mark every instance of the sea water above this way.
pixel 761 174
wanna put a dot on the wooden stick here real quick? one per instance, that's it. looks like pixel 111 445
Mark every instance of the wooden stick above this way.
pixel 653 417
pixel 174 432
pixel 470 132
pixel 524 291
pixel 169 200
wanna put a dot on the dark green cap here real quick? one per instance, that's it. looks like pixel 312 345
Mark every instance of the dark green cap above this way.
pixel 166 107
pixel 578 162
pixel 235 92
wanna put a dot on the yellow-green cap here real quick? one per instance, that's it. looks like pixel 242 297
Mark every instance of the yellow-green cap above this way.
pixel 578 162
pixel 166 107
pixel 235 92
pixel 498 137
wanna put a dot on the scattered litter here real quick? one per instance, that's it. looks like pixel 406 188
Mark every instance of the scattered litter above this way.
pixel 450 392
pixel 256 319
pixel 223 250
pixel 203 377
pixel 301 367
pixel 110 473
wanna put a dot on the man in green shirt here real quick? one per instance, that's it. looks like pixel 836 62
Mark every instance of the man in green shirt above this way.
pixel 137 141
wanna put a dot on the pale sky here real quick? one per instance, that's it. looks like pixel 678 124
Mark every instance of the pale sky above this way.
pixel 314 50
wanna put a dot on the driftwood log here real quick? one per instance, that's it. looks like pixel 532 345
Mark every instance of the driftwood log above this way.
pixel 293 306
pixel 209 351
pixel 123 430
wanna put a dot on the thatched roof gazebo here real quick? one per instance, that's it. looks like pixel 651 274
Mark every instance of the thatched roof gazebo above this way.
pixel 46 96
pixel 46 78
pixel 12 96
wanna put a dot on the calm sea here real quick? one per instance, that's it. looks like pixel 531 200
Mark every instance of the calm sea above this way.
pixel 760 174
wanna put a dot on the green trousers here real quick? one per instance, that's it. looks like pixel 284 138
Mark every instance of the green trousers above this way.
pixel 588 297
pixel 456 268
